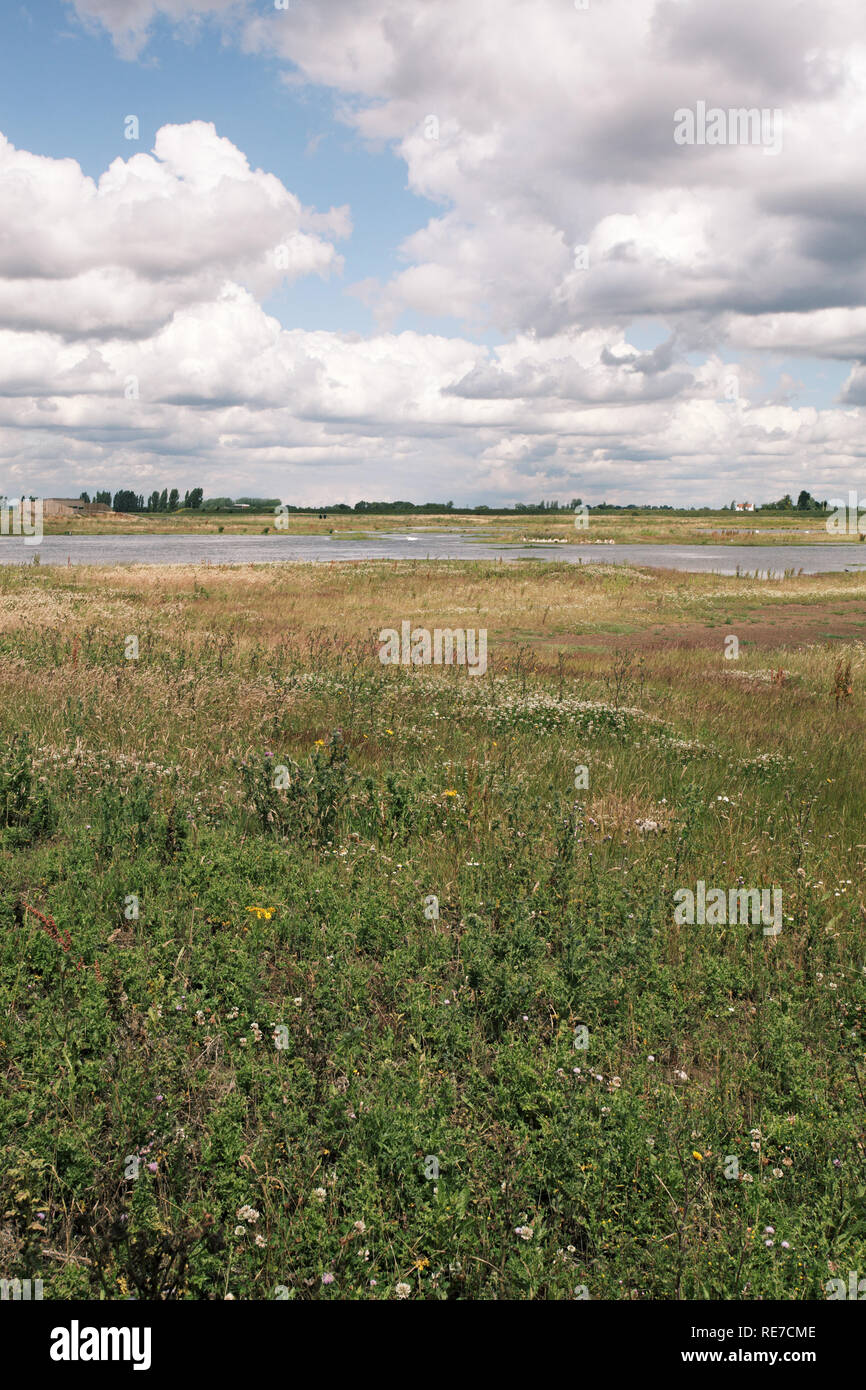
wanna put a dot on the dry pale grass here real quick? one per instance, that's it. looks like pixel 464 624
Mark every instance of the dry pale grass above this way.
pixel 635 813
pixel 216 641
pixel 544 602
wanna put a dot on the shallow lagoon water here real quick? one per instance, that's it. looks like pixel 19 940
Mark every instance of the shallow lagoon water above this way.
pixel 246 550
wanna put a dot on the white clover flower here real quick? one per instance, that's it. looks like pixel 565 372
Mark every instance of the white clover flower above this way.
pixel 402 1290
pixel 525 1232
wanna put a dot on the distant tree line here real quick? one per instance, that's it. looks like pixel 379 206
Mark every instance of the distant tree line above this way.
pixel 401 508
pixel 805 503
pixel 124 500
pixel 247 504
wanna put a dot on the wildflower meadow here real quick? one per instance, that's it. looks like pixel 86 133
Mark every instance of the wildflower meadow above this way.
pixel 329 978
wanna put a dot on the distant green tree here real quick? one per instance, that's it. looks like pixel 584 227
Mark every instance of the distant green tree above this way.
pixel 173 500
pixel 125 501
pixel 807 503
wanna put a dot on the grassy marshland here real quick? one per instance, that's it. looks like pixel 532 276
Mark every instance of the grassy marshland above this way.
pixel 284 1044
pixel 673 528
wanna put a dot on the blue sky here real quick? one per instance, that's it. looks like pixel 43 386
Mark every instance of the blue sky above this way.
pixel 65 92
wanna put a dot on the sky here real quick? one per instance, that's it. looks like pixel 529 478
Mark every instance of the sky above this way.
pixel 485 251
